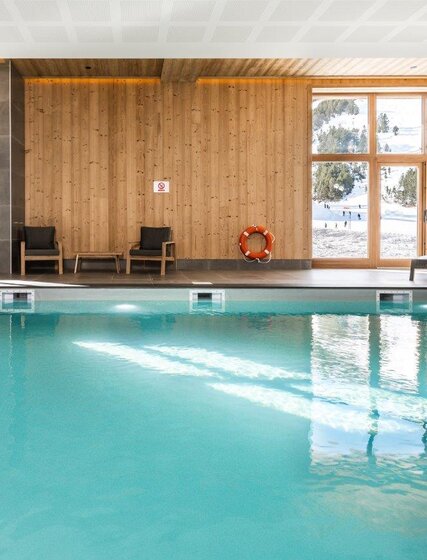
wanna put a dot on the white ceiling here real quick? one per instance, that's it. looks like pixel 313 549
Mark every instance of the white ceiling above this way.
pixel 212 28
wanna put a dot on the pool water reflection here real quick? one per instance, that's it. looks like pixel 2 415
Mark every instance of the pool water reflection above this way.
pixel 235 435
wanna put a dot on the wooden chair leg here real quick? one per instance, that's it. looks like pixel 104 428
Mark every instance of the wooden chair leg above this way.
pixel 163 267
pixel 128 264
pixel 22 258
pixel 61 266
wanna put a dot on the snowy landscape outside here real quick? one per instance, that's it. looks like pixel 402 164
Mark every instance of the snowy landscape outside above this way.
pixel 340 189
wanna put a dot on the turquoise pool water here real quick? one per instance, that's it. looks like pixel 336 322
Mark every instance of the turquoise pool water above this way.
pixel 269 431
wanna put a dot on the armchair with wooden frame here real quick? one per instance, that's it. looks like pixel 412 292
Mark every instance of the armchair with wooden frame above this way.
pixel 38 244
pixel 155 244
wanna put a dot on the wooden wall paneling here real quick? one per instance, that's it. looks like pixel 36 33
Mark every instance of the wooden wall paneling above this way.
pixel 128 128
pixel 85 186
pixel 213 120
pixel 235 152
pixel 176 156
pixel 212 98
pixel 178 177
pixel 252 211
pixel 291 124
pixel 162 168
pixel 94 188
pixel 46 156
pixel 75 240
pixel 197 163
pixel 155 167
pixel 235 166
pixel 304 186
pixel 184 95
pixel 136 214
pixel 166 168
pixel 270 140
pixel 179 172
pixel 302 209
pixel 103 165
pixel 241 216
pixel 261 134
pixel 299 164
pixel 30 151
pixel 224 169
pixel 116 227
pixel 58 177
pixel 67 190
pixel 229 197
pixel 277 196
pixel 172 164
pixel 206 146
pixel 120 180
pixel 75 108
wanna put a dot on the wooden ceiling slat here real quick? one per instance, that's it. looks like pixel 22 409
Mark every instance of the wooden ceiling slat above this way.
pixel 99 67
pixel 191 69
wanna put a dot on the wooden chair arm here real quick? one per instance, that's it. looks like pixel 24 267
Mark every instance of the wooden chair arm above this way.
pixel 131 245
pixel 165 247
pixel 59 243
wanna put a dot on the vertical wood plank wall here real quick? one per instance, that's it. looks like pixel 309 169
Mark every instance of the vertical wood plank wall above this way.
pixel 236 153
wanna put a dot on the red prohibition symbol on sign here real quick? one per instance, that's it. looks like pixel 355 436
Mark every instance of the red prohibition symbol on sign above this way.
pixel 161 187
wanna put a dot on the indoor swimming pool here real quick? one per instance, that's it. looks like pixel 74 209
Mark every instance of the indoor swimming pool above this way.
pixel 242 429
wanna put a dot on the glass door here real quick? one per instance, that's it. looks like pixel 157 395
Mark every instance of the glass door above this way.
pixel 400 212
pixel 340 210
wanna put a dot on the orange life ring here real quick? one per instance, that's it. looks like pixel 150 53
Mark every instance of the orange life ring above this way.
pixel 253 255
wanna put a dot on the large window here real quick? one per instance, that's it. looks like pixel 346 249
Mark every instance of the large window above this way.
pixel 399 125
pixel 340 125
pixel 399 188
pixel 340 209
pixel 367 177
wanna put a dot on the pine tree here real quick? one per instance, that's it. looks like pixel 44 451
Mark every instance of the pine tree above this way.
pixel 330 108
pixel 383 123
pixel 334 181
pixel 406 191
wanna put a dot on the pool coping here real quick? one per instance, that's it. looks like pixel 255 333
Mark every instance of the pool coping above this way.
pixel 212 285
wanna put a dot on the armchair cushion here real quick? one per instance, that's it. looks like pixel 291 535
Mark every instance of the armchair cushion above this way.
pixel 153 237
pixel 41 252
pixel 146 253
pixel 39 238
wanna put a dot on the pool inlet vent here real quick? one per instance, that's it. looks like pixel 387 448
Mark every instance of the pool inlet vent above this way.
pixel 394 301
pixel 17 301
pixel 207 300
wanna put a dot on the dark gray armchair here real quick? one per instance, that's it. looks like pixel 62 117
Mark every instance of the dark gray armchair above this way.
pixel 155 244
pixel 38 244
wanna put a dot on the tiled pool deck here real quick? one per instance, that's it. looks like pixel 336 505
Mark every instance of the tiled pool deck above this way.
pixel 314 278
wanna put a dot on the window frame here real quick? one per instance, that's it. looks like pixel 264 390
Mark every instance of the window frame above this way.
pixel 375 161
